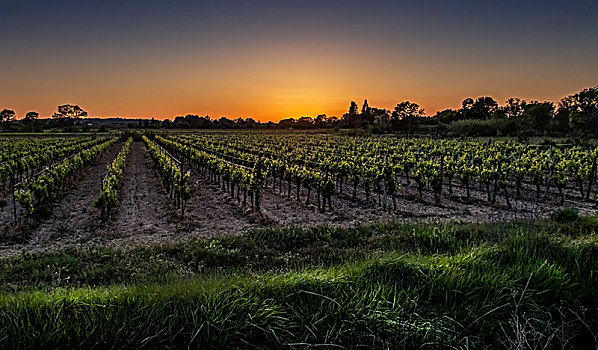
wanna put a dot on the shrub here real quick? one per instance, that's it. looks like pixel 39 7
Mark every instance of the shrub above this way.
pixel 565 215
pixel 491 127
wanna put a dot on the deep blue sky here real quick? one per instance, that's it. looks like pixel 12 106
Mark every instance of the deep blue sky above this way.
pixel 275 59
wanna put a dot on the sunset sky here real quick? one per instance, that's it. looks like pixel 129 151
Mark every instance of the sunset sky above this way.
pixel 277 59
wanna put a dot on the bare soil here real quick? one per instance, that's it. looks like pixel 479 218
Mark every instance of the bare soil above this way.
pixel 285 210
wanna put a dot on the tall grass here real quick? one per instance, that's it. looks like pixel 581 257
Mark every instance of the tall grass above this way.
pixel 381 286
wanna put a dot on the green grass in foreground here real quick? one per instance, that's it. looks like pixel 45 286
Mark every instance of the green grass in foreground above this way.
pixel 381 286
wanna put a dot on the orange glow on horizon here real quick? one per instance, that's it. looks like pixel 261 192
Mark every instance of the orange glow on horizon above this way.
pixel 270 84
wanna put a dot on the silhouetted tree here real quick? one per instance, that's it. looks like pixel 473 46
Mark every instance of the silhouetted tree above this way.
pixel 405 116
pixel 377 112
pixel 304 123
pixel 154 123
pixel 321 121
pixel 406 110
pixel 514 107
pixel 286 123
pixel 539 114
pixel 576 123
pixel 250 123
pixel 333 121
pixel 7 115
pixel 482 108
pixel 367 117
pixel 582 109
pixel 225 123
pixel 180 122
pixel 30 116
pixel 69 112
pixel 560 121
pixel 467 103
pixel 365 109
pixel 353 118
pixel 353 109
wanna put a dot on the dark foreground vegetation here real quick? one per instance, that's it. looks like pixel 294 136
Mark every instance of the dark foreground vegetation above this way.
pixel 517 285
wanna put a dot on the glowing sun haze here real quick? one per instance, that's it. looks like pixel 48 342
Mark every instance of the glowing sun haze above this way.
pixel 277 59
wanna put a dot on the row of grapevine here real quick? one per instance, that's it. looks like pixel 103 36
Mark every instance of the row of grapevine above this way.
pixel 174 179
pixel 14 148
pixel 33 155
pixel 369 163
pixel 108 199
pixel 320 180
pixel 321 183
pixel 39 190
pixel 232 178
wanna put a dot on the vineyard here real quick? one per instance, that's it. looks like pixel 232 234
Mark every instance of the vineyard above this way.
pixel 296 239
pixel 504 174
pixel 207 184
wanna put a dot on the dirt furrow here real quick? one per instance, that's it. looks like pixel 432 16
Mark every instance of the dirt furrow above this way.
pixel 145 212
pixel 212 212
pixel 147 216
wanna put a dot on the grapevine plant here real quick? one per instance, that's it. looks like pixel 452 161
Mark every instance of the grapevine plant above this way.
pixel 108 198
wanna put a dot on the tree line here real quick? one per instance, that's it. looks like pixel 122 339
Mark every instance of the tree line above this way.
pixel 64 117
pixel 576 114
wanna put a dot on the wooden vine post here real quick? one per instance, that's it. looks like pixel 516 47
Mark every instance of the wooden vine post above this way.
pixel 181 186
pixel 385 185
pixel 259 185
pixel 12 191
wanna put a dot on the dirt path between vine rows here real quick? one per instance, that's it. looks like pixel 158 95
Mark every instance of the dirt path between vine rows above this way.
pixel 285 210
pixel 73 218
pixel 144 211
pixel 212 212
pixel 6 210
pixel 147 216
pixel 288 211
